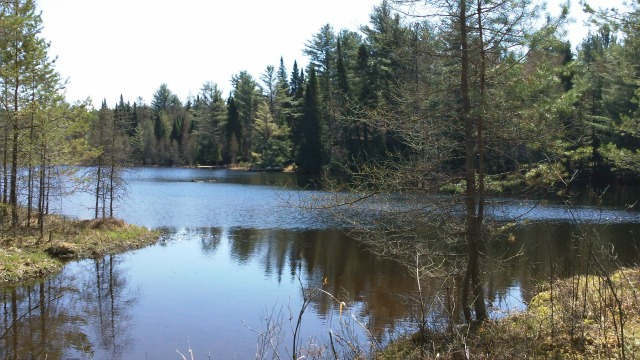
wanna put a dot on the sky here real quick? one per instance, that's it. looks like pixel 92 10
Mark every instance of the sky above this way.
pixel 130 47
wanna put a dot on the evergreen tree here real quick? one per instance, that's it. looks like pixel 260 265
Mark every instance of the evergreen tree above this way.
pixel 233 131
pixel 209 117
pixel 283 99
pixel 321 51
pixel 296 82
pixel 387 38
pixel 270 82
pixel 614 71
pixel 246 93
pixel 309 155
pixel 27 77
pixel 272 147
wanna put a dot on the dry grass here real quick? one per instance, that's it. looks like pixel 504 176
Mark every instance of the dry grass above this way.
pixel 586 317
pixel 18 265
pixel 25 256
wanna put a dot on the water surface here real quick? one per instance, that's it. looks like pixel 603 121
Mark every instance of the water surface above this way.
pixel 235 251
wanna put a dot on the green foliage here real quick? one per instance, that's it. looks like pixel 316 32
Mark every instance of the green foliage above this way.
pixel 272 146
pixel 310 152
pixel 208 116
pixel 246 94
pixel 35 124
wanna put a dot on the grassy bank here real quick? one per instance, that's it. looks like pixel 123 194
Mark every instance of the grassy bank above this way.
pixel 26 257
pixel 585 317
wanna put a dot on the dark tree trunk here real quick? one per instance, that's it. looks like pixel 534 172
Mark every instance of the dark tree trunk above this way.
pixel 474 200
pixel 99 172
pixel 478 286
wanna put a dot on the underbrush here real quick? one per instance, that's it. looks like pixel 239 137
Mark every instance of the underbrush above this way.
pixel 584 317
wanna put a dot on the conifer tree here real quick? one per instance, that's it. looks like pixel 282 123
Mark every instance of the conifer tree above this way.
pixel 233 131
pixel 309 155
pixel 26 77
pixel 246 93
pixel 272 146
pixel 209 117
pixel 445 123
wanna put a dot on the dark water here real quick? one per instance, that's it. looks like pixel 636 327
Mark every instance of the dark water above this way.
pixel 235 251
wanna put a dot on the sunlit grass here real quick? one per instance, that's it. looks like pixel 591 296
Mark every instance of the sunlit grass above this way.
pixel 25 255
pixel 17 265
pixel 585 317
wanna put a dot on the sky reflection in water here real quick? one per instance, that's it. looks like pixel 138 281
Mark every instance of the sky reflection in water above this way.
pixel 233 252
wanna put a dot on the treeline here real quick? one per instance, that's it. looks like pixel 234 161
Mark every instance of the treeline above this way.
pixel 327 115
pixel 365 97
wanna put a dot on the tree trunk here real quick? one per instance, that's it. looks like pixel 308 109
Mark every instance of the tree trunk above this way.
pixel 30 177
pixel 13 186
pixel 469 158
pixel 99 172
pixel 473 197
pixel 478 286
pixel 112 164
pixel 41 192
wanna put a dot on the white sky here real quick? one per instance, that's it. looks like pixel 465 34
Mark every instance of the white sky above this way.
pixel 130 47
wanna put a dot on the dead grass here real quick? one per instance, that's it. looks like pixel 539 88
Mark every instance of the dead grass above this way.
pixel 586 317
pixel 18 265
pixel 25 256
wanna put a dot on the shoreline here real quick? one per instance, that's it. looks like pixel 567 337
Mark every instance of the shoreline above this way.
pixel 580 317
pixel 24 258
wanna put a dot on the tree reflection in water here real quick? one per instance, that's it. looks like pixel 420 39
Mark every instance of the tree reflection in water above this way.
pixel 108 298
pixel 50 319
pixel 200 284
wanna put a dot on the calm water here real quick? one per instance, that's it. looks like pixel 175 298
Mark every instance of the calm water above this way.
pixel 234 252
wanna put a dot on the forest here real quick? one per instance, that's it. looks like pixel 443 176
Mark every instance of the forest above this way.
pixel 337 112
pixel 554 112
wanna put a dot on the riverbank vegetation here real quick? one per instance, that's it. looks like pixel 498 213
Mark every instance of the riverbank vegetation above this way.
pixel 25 256
pixel 584 317
pixel 580 317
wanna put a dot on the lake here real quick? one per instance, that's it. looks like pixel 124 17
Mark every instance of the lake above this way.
pixel 236 257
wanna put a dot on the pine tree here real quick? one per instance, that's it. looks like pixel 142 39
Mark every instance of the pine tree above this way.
pixel 209 117
pixel 246 93
pixel 612 70
pixel 27 77
pixel 272 146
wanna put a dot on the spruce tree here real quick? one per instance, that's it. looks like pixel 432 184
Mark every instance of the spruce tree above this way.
pixel 309 156
pixel 233 131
